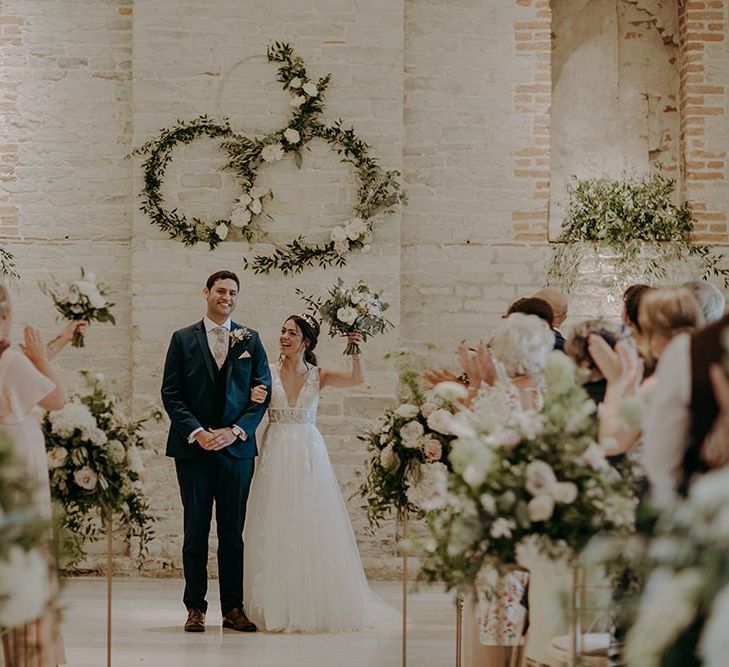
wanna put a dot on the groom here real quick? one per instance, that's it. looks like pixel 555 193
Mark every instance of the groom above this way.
pixel 210 369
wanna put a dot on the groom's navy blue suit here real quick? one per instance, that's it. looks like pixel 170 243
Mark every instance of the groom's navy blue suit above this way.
pixel 196 394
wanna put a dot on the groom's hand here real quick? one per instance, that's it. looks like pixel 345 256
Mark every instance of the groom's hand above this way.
pixel 222 437
pixel 206 440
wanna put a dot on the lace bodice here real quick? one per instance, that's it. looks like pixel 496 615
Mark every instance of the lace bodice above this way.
pixel 304 409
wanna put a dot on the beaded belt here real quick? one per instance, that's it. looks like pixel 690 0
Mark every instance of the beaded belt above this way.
pixel 292 415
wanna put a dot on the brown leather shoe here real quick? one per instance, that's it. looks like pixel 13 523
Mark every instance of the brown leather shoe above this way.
pixel 195 621
pixel 236 619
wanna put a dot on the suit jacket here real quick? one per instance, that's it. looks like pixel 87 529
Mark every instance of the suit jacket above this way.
pixel 189 390
pixel 559 340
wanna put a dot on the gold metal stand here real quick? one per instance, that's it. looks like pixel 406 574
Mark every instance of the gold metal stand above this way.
pixel 109 565
pixel 459 630
pixel 403 519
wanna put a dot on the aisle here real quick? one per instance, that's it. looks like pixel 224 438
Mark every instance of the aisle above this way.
pixel 148 620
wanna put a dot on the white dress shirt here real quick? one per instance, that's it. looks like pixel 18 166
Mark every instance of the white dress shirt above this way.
pixel 210 327
pixel 668 422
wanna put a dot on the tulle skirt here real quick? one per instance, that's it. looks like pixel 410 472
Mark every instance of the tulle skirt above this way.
pixel 302 569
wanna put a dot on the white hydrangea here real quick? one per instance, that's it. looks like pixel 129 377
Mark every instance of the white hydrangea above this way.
pixel 24 586
pixel 502 528
pixel 117 453
pixel 73 415
pixel 472 459
pixel 428 486
pixel 272 152
pixel 134 461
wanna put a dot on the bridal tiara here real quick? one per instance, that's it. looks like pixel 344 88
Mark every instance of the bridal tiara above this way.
pixel 309 320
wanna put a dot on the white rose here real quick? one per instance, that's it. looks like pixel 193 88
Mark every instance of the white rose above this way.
pixel 272 152
pixel 427 409
pixel 24 586
pixel 221 231
pixel 255 206
pixel 432 449
pixel 540 478
pixel 295 82
pixel 244 200
pixel 116 451
pixel 298 101
pixel 356 228
pixel 292 136
pixel 341 247
pixel 411 433
pixel 407 411
pixel 339 234
pixel 451 391
pixel 94 435
pixel 96 300
pixel 310 89
pixel 86 478
pixel 240 217
pixel 388 458
pixel 84 287
pixel 57 457
pixel 347 315
pixel 565 492
pixel 439 421
pixel 541 507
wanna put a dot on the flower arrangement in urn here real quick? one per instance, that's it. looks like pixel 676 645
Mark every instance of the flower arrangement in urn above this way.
pixel 524 479
pixel 408 465
pixel 349 309
pixel 95 465
pixel 24 565
pixel 83 299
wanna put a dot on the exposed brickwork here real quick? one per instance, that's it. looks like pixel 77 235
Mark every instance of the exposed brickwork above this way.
pixel 532 99
pixel 702 106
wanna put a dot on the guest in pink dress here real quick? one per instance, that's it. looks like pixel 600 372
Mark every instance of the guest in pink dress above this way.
pixel 27 381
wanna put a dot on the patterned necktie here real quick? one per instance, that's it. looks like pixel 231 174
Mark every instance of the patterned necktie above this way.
pixel 220 346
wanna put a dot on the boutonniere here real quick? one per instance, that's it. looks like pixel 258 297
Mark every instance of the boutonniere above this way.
pixel 239 335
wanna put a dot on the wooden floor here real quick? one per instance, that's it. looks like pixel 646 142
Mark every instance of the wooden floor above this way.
pixel 148 617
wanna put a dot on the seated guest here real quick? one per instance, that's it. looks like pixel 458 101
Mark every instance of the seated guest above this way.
pixel 710 298
pixel 559 305
pixel 683 412
pixel 533 306
pixel 631 303
pixel 663 314
pixel 578 347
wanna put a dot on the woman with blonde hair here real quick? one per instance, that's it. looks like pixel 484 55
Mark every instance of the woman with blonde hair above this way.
pixel 28 380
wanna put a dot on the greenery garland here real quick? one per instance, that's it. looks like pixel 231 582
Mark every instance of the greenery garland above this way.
pixel 7 264
pixel 637 220
pixel 379 190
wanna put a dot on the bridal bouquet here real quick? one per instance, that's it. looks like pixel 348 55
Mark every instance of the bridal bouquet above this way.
pixel 408 465
pixel 81 300
pixel 683 614
pixel 524 481
pixel 95 465
pixel 24 568
pixel 350 309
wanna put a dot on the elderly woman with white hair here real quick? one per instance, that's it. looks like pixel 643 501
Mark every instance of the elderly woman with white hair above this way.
pixel 495 624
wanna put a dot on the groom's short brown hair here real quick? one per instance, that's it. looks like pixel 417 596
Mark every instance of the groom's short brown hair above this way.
pixel 222 275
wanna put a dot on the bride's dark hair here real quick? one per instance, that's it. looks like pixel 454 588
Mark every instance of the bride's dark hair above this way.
pixel 309 328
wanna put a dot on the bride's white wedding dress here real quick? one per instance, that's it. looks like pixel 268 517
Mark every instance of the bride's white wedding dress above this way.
pixel 302 570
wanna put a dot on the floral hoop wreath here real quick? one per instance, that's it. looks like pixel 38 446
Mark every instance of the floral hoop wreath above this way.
pixel 379 190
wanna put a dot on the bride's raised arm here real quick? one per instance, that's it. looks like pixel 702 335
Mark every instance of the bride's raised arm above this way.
pixel 343 379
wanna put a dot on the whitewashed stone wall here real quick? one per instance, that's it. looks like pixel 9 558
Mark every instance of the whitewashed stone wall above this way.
pixel 454 93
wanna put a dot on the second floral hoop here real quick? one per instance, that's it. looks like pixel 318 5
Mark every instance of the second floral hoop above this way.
pixel 379 191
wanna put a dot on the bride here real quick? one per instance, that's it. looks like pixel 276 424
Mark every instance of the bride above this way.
pixel 302 569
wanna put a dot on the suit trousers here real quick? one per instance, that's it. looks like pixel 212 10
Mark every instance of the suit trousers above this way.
pixel 214 478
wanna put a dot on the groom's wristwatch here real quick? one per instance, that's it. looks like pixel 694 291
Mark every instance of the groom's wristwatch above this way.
pixel 238 432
